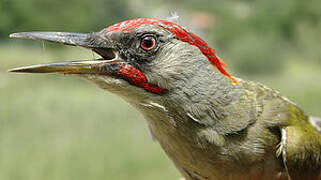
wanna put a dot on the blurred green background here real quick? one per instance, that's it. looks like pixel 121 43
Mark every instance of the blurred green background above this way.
pixel 56 127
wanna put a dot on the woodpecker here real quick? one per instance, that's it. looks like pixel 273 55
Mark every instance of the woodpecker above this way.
pixel 212 125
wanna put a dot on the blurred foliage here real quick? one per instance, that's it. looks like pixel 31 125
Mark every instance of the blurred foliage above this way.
pixel 258 35
pixel 247 33
pixel 60 15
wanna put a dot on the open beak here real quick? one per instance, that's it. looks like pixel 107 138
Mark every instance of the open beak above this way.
pixel 91 41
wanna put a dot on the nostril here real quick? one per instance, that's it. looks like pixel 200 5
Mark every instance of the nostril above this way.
pixel 105 53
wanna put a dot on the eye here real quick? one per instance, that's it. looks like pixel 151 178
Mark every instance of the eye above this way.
pixel 148 43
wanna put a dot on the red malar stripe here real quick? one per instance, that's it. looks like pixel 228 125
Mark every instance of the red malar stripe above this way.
pixel 138 78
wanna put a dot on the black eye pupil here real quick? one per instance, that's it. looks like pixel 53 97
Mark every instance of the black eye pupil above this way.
pixel 148 43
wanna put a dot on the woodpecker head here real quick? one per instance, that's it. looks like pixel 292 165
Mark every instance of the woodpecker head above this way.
pixel 145 56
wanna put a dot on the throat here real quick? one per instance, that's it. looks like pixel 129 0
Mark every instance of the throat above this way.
pixel 137 78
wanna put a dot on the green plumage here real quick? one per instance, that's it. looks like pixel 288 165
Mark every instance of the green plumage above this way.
pixel 209 127
pixel 299 145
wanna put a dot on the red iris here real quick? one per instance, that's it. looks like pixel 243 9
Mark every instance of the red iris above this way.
pixel 148 43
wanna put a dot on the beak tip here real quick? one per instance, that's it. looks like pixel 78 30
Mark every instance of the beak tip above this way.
pixel 18 35
pixel 14 70
pixel 26 69
pixel 22 35
pixel 14 35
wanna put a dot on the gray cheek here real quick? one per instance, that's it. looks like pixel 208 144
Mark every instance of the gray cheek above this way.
pixel 169 66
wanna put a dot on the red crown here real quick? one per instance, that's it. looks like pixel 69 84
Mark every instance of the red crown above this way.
pixel 181 33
